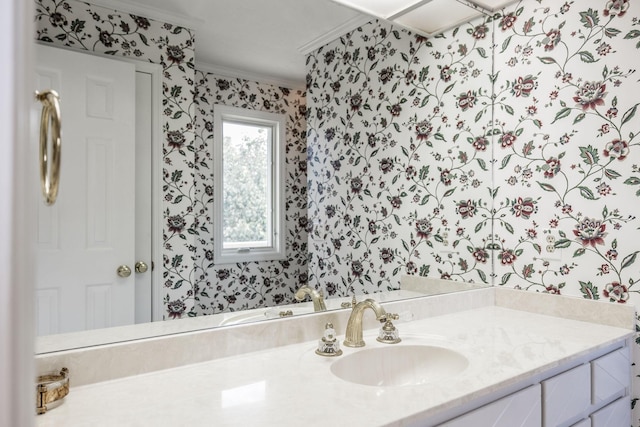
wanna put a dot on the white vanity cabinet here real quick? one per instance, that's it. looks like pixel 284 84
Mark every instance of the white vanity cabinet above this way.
pixel 614 414
pixel 520 409
pixel 566 396
pixel 594 393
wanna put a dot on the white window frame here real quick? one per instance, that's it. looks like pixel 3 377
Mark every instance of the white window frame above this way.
pixel 247 252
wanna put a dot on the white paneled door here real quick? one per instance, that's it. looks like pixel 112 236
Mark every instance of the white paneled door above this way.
pixel 89 233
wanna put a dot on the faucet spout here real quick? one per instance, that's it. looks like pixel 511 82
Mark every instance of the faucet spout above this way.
pixel 316 296
pixel 353 336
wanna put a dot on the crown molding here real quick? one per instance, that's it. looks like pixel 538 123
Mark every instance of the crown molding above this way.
pixel 335 33
pixel 249 75
pixel 151 12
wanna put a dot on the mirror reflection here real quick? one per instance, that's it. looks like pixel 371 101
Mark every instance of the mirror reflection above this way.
pixel 337 241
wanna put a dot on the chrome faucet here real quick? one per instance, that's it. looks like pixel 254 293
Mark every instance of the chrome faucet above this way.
pixel 353 336
pixel 316 296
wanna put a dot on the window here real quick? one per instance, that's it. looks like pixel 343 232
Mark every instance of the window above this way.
pixel 248 185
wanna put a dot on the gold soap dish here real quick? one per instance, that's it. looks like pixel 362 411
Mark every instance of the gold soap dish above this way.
pixel 51 388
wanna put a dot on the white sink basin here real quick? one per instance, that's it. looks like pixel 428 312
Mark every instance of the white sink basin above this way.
pixel 261 314
pixel 399 365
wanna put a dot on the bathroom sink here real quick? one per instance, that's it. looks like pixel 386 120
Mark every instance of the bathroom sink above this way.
pixel 399 365
pixel 261 314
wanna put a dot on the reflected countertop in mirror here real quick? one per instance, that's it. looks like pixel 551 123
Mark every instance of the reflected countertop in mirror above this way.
pixel 410 287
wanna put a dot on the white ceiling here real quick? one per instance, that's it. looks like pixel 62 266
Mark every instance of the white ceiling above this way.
pixel 264 40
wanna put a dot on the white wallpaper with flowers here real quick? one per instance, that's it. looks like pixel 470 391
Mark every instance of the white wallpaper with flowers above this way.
pixel 413 168
pixel 399 158
pixel 255 284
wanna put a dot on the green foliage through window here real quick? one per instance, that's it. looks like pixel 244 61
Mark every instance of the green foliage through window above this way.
pixel 246 183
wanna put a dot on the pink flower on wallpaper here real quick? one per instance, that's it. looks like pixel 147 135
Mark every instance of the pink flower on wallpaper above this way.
pixel 373 228
pixel 466 209
pixel 176 309
pixel 604 189
pixel 523 207
pixel 553 167
pixel 523 86
pixel 507 257
pixel 604 49
pixel 552 39
pixel 175 54
pixel 386 165
pixel 480 32
pixel 616 8
pixel 176 224
pixel 175 139
pixel 507 139
pixel 423 130
pixel 355 102
pixel 356 185
pixel 590 95
pixel 446 177
pixel 480 143
pixel 445 73
pixel 616 149
pixel 481 255
pixel 386 255
pixel 527 271
pixel 423 228
pixel 552 289
pixel 616 292
pixel 356 268
pixel 590 232
pixel 508 21
pixel 467 100
pixel 411 267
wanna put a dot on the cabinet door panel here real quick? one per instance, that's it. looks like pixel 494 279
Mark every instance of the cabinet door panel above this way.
pixel 617 413
pixel 567 396
pixel 610 376
pixel 521 409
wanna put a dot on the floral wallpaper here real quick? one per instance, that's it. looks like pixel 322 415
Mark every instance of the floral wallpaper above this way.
pixel 256 284
pixel 399 158
pixel 514 166
pixel 565 126
pixel 565 72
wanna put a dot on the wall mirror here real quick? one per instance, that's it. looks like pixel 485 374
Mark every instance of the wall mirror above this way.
pixel 161 68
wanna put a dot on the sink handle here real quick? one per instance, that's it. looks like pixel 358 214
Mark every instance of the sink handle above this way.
pixel 388 317
pixel 328 344
pixel 389 333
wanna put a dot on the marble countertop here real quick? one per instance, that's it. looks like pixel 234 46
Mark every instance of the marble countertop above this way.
pixel 291 386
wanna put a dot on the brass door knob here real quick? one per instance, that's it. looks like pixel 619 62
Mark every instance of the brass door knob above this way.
pixel 124 271
pixel 141 267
